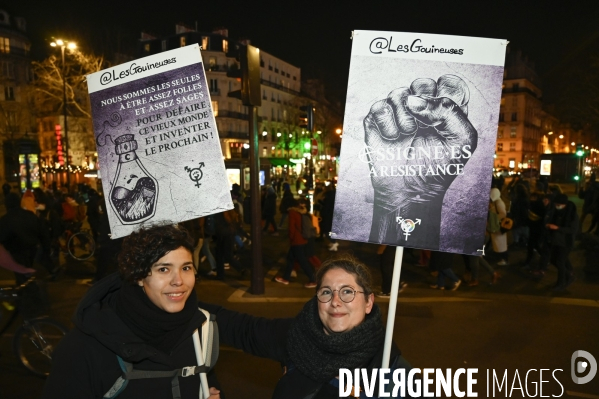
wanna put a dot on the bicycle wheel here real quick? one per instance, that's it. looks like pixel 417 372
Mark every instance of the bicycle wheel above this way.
pixel 81 245
pixel 34 343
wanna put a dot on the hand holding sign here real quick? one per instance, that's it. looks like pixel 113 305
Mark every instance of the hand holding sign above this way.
pixel 417 141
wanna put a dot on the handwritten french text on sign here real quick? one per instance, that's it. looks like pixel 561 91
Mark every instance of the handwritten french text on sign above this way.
pixel 158 147
pixel 418 140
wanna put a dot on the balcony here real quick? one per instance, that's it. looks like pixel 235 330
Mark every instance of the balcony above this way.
pixel 279 87
pixel 233 135
pixel 214 92
pixel 232 114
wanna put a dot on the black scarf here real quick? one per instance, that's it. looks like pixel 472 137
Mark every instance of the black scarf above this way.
pixel 156 327
pixel 320 356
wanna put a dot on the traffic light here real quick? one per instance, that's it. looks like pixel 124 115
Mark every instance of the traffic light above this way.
pixel 306 118
pixel 579 150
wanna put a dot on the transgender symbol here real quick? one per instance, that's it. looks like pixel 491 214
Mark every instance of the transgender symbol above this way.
pixel 196 174
pixel 407 225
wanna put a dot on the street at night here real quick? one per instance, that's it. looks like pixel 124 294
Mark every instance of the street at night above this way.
pixel 516 325
pixel 351 191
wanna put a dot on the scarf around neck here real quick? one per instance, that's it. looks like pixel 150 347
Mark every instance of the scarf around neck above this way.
pixel 156 327
pixel 320 356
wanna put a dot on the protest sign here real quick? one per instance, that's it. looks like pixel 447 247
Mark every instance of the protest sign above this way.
pixel 418 140
pixel 158 147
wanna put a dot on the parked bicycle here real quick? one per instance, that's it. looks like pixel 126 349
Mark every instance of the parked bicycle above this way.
pixel 34 341
pixel 77 242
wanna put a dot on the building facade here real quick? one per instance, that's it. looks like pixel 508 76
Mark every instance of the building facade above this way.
pixel 282 142
pixel 19 163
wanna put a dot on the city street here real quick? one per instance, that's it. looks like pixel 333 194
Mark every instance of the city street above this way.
pixel 517 325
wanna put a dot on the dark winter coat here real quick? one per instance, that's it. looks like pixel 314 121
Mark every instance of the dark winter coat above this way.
pixel 287 201
pixel 85 362
pixel 567 221
pixel 268 338
pixel 20 233
pixel 270 203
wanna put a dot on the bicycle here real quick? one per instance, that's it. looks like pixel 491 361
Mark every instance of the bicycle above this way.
pixel 34 341
pixel 77 242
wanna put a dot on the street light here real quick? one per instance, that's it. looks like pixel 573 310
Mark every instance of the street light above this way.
pixel 71 46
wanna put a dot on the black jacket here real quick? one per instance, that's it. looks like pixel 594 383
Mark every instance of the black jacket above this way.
pixel 85 362
pixel 268 338
pixel 567 221
pixel 20 233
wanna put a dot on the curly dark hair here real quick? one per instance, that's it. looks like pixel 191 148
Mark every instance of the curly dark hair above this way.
pixel 146 246
pixel 350 264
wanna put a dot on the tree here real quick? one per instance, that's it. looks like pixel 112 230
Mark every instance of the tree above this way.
pixel 49 82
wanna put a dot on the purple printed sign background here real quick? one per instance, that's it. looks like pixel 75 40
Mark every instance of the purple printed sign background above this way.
pixel 159 151
pixel 443 212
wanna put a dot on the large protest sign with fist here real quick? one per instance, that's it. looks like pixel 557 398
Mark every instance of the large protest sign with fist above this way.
pixel 158 147
pixel 418 140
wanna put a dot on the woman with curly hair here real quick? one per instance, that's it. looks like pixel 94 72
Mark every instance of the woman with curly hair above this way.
pixel 140 319
pixel 340 327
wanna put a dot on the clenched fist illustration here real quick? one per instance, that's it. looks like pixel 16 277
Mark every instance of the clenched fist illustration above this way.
pixel 418 141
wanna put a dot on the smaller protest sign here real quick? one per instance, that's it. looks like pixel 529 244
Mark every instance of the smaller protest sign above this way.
pixel 158 148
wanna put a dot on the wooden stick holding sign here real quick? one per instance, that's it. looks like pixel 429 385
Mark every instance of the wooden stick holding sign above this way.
pixel 392 306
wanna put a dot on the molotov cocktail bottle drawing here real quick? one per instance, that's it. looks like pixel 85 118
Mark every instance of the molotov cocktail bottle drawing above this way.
pixel 134 190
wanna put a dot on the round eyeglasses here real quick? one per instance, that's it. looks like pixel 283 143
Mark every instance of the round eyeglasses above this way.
pixel 346 294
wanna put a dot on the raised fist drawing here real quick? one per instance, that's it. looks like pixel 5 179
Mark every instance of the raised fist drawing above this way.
pixel 418 141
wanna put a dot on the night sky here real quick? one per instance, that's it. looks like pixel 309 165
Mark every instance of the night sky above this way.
pixel 315 35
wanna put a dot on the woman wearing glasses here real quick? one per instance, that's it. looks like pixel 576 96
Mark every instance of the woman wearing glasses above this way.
pixel 340 327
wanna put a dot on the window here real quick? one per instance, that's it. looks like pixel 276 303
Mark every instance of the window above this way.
pixel 182 41
pixel 513 131
pixel 225 46
pixel 8 69
pixel 514 116
pixel 9 93
pixel 264 152
pixel 215 107
pixel 213 85
pixel 500 133
pixel 501 117
pixel 212 62
pixel 512 146
pixel 163 45
pixel 147 47
pixel 4 45
pixel 205 42
pixel 499 147
pixel 11 118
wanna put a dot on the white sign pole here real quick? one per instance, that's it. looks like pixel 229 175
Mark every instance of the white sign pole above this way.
pixel 392 306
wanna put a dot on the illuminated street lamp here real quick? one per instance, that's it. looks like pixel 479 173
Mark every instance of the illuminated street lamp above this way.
pixel 71 46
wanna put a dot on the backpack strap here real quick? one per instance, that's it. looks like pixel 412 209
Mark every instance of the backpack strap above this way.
pixel 210 351
pixel 129 373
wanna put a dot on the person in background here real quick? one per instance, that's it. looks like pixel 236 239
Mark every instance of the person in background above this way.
pixel 387 263
pixel 442 262
pixel 536 227
pixel 563 227
pixel 297 248
pixel 145 315
pixel 590 195
pixel 286 202
pixel 326 215
pixel 499 239
pixel 269 210
pixel 519 208
pixel 209 232
pixel 21 232
pixel 475 262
